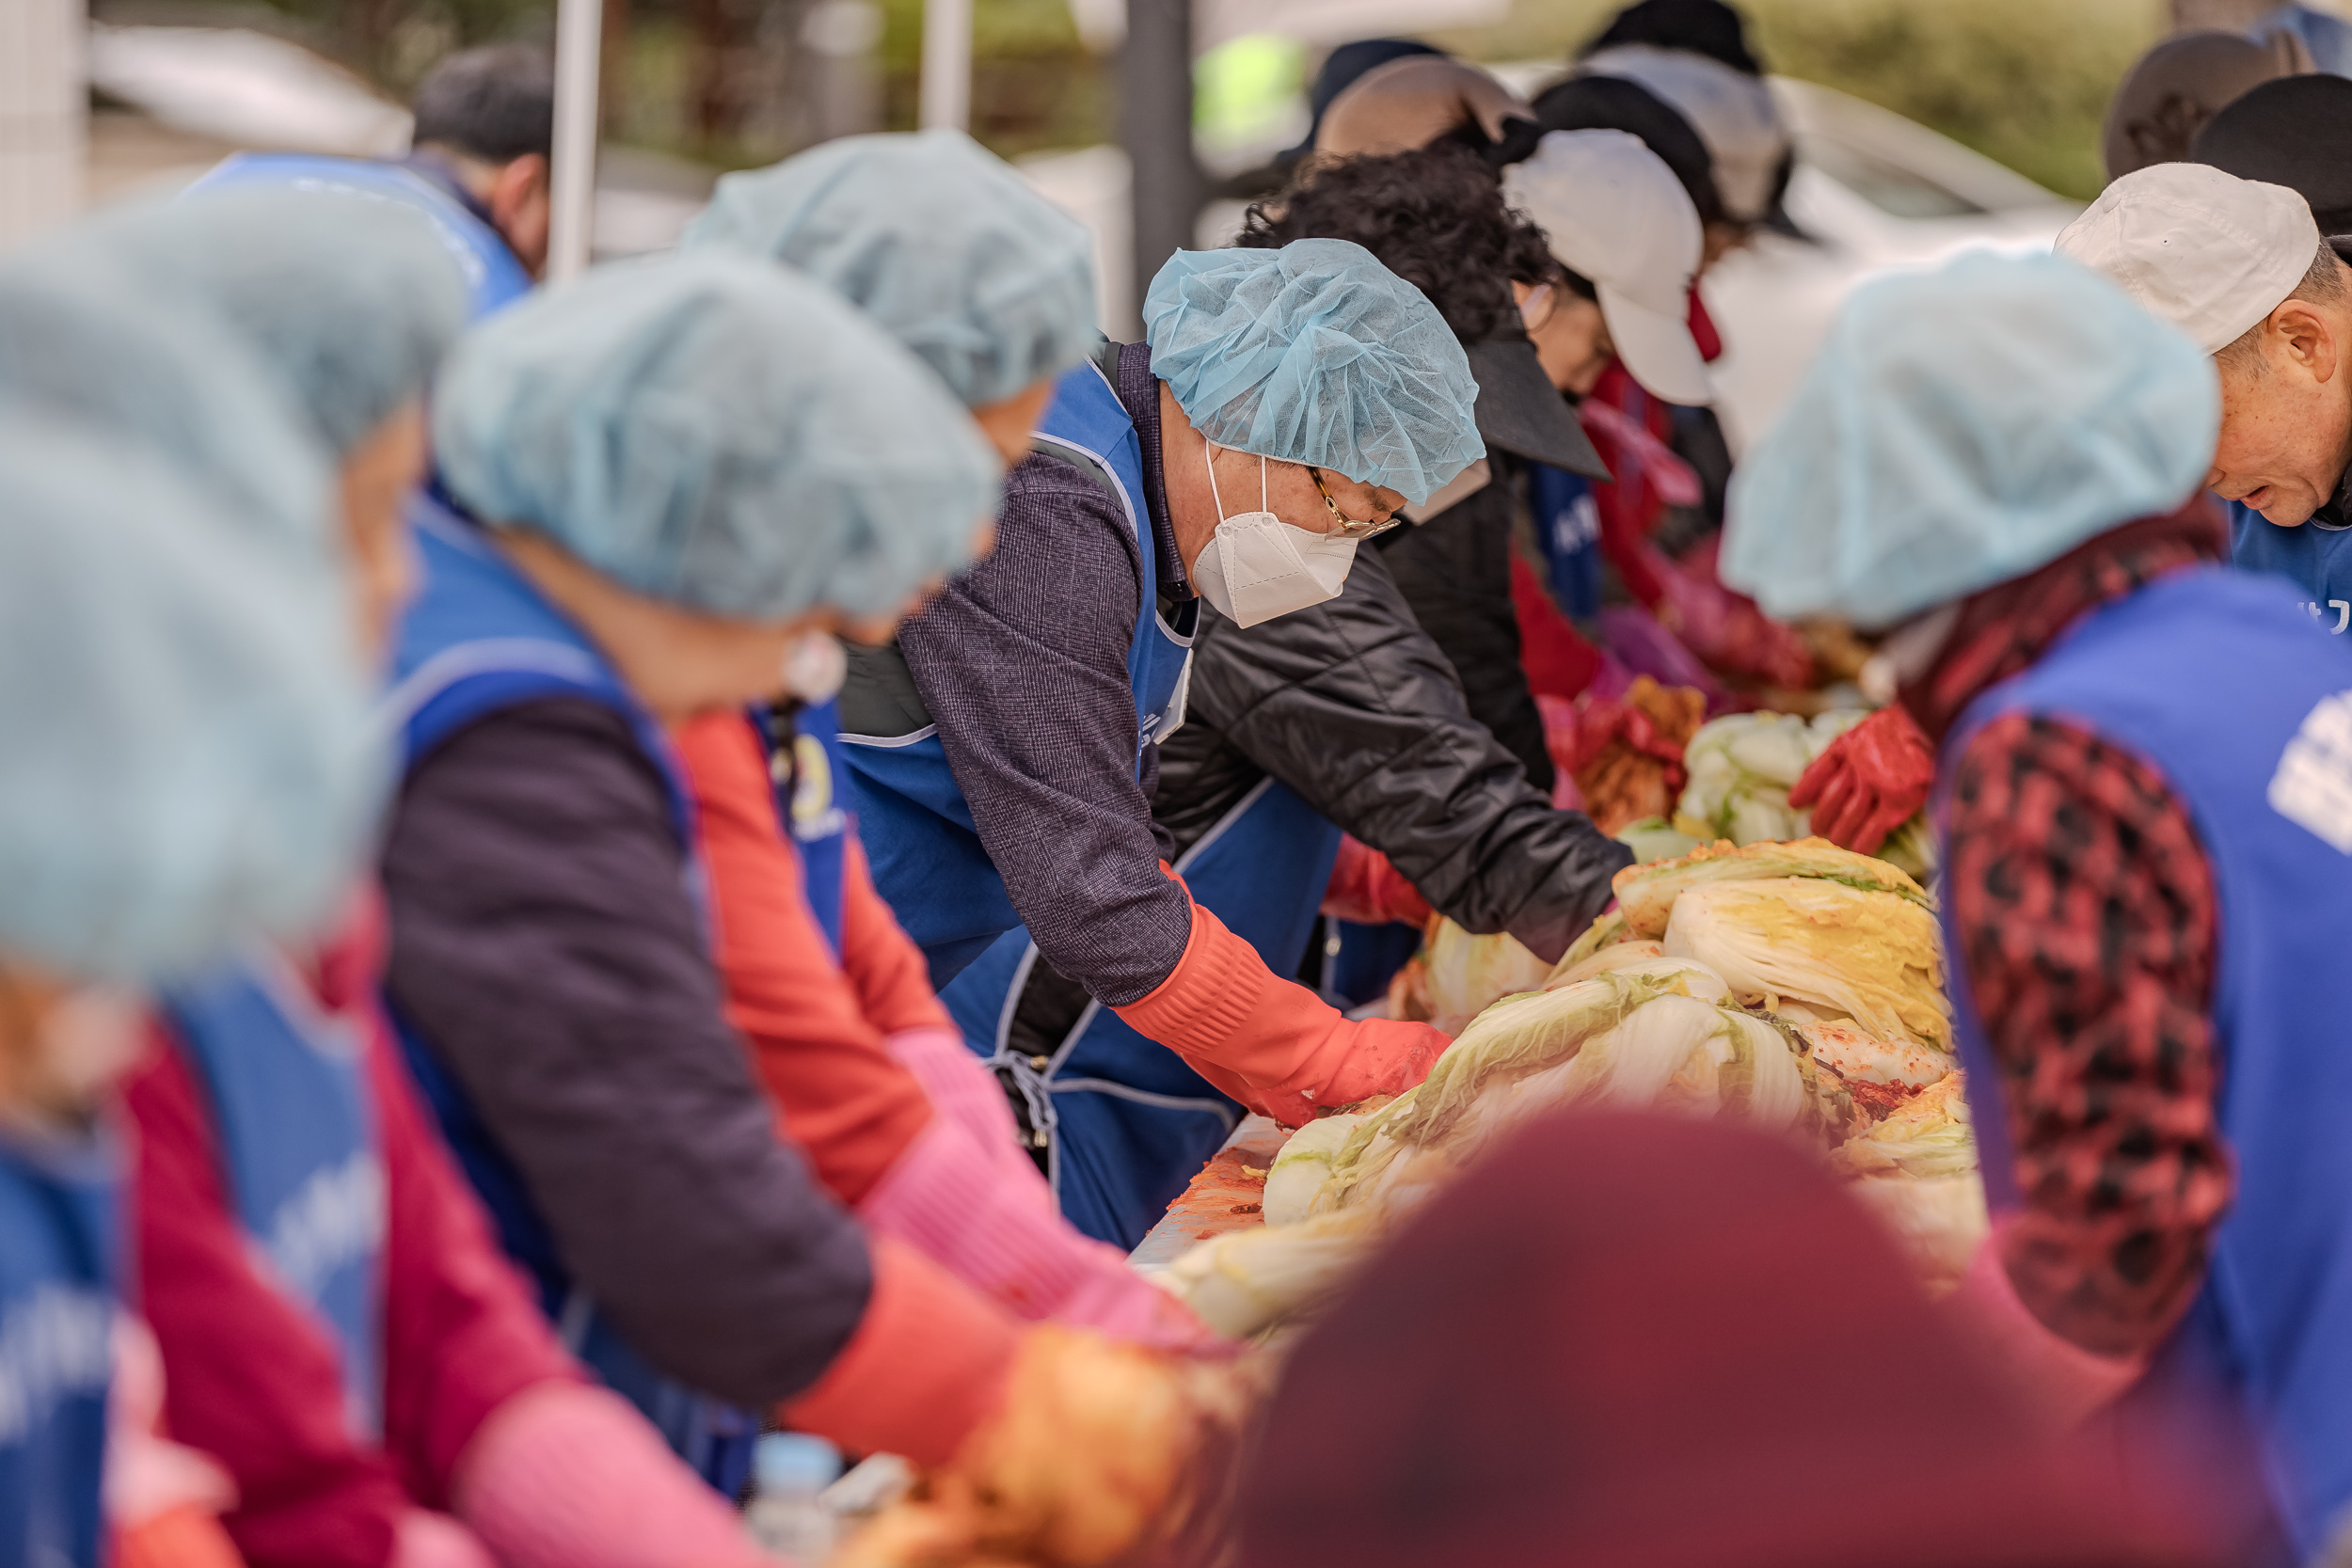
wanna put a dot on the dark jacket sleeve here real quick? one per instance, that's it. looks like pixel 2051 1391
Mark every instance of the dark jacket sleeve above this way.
pixel 545 943
pixel 1351 704
pixel 1454 571
pixel 1023 664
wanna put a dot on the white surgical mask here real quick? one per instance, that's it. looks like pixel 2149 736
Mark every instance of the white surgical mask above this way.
pixel 815 667
pixel 1257 566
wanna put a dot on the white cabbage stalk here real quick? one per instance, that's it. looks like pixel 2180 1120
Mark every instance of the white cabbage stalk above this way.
pixel 1300 1171
pixel 1872 956
pixel 1243 1280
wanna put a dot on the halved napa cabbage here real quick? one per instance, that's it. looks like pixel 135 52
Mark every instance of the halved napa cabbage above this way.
pixel 1870 955
pixel 1240 1282
pixel 1465 974
pixel 1646 894
pixel 1855 1054
pixel 1607 932
pixel 1741 766
pixel 1616 956
pixel 1928 1135
pixel 1303 1166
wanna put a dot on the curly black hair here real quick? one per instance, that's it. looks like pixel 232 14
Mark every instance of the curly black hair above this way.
pixel 1436 217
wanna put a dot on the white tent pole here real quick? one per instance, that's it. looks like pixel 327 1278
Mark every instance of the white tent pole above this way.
pixel 947 95
pixel 579 47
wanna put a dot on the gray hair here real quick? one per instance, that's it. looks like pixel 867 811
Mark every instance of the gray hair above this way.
pixel 2323 283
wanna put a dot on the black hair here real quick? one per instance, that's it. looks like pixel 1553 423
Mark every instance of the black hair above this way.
pixel 496 104
pixel 1434 216
pixel 1614 103
pixel 1707 27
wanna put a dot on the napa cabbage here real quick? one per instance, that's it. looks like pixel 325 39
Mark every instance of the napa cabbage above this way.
pixel 1872 956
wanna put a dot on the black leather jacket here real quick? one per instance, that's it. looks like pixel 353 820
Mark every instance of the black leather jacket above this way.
pixel 1352 706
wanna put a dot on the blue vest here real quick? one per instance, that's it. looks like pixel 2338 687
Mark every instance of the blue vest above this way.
pixel 290 1100
pixel 478 639
pixel 493 277
pixel 1127 1123
pixel 2317 560
pixel 60 1203
pixel 805 766
pixel 2246 712
pixel 911 816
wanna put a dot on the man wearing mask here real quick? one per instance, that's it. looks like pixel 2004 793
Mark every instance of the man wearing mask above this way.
pixel 1351 710
pixel 1002 750
pixel 477 167
pixel 2143 849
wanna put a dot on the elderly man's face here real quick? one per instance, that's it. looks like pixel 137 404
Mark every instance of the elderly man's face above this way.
pixel 2286 414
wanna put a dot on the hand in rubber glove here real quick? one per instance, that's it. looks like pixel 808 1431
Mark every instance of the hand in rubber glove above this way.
pixel 566 1476
pixel 1365 888
pixel 1872 780
pixel 991 1222
pixel 1098 1451
pixel 1273 1045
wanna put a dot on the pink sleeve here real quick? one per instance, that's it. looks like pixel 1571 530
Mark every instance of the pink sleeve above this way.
pixel 462 1333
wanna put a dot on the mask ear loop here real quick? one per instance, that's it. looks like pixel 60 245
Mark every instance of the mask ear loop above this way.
pixel 1208 461
pixel 1261 505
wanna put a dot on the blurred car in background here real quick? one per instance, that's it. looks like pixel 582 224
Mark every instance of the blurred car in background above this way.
pixel 1872 192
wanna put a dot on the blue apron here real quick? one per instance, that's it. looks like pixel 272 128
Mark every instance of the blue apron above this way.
pixel 804 767
pixel 2246 712
pixel 478 639
pixel 61 1202
pixel 912 818
pixel 494 278
pixel 296 1128
pixel 1125 1121
pixel 2316 559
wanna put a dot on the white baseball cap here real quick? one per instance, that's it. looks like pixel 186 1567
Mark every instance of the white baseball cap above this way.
pixel 2206 251
pixel 1615 213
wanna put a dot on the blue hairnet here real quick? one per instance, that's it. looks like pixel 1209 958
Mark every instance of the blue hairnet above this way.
pixel 935 238
pixel 717 432
pixel 191 757
pixel 1316 354
pixel 1962 427
pixel 81 338
pixel 347 303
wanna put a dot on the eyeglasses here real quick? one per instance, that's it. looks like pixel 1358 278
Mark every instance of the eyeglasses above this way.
pixel 1344 525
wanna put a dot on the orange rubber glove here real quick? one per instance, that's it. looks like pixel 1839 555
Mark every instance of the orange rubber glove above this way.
pixel 1275 1046
pixel 1870 781
pixel 925 1369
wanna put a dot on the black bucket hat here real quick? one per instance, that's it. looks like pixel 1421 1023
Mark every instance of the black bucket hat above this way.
pixel 1520 411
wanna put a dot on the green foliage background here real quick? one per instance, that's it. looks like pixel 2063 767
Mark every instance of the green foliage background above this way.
pixel 2023 81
